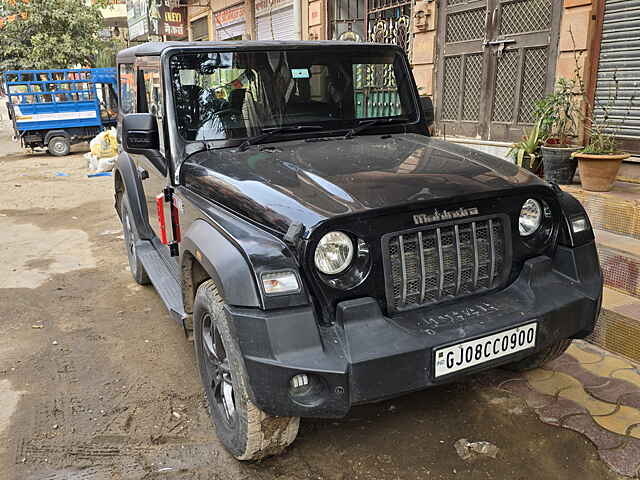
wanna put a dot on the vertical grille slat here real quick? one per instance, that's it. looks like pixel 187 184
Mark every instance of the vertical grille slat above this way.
pixel 476 267
pixel 423 273
pixel 458 260
pixel 444 262
pixel 492 244
pixel 441 264
pixel 403 264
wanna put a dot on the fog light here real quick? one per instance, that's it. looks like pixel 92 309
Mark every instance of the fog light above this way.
pixel 300 380
pixel 307 390
pixel 579 224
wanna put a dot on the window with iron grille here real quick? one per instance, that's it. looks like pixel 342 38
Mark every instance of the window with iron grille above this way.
pixel 347 20
pixel 389 21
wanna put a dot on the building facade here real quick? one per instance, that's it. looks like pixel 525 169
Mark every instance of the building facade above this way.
pixel 484 62
pixel 156 20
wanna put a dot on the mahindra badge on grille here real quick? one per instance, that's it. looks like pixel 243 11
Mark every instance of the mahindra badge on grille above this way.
pixel 442 215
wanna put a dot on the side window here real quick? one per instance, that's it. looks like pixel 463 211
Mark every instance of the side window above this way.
pixel 127 88
pixel 151 97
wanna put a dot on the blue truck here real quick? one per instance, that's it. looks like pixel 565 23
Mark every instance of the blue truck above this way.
pixel 55 109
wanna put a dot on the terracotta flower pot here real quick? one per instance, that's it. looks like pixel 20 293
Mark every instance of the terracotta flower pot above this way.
pixel 598 172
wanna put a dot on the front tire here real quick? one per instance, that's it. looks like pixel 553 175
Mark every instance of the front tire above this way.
pixel 540 358
pixel 138 272
pixel 247 432
pixel 59 146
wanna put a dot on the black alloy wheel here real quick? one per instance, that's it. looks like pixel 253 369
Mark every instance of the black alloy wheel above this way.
pixel 218 371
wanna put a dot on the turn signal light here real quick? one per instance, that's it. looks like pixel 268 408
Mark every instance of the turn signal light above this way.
pixel 579 224
pixel 275 283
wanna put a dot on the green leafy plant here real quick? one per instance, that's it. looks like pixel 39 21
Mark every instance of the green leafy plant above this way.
pixel 44 34
pixel 558 111
pixel 528 148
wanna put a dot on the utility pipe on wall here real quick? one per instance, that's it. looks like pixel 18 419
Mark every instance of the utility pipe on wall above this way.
pixel 297 18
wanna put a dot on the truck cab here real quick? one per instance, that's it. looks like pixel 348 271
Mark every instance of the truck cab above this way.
pixel 321 249
pixel 55 109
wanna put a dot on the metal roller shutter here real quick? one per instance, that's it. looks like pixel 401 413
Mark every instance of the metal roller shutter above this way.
pixel 200 29
pixel 278 25
pixel 620 56
pixel 230 31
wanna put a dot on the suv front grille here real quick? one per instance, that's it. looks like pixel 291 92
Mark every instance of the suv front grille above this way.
pixel 427 266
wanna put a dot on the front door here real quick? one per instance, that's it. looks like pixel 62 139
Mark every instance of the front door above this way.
pixel 496 58
pixel 153 169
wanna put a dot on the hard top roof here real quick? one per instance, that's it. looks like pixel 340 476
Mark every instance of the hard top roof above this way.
pixel 156 48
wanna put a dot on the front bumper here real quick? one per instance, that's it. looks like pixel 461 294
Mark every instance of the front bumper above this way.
pixel 366 356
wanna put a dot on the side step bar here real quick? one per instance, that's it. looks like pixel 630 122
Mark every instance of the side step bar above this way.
pixel 163 280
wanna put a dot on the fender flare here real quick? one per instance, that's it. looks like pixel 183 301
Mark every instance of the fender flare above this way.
pixel 56 133
pixel 125 172
pixel 223 262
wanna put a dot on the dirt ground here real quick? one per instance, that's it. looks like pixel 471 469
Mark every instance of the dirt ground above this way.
pixel 97 382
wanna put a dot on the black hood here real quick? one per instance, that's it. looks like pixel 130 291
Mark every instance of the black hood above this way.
pixel 311 181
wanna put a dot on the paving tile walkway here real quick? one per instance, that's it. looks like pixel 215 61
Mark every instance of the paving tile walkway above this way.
pixel 592 392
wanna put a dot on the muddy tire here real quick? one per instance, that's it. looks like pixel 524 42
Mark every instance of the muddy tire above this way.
pixel 59 146
pixel 138 272
pixel 540 358
pixel 247 432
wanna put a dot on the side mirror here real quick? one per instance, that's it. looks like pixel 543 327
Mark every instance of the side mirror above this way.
pixel 427 110
pixel 140 133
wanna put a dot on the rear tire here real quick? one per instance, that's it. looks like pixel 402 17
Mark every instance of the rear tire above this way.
pixel 540 358
pixel 247 432
pixel 59 146
pixel 131 238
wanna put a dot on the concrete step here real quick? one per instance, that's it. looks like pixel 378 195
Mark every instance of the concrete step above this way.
pixel 617 211
pixel 630 170
pixel 620 262
pixel 618 327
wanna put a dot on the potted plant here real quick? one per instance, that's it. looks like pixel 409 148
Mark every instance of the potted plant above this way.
pixel 557 113
pixel 600 159
pixel 526 152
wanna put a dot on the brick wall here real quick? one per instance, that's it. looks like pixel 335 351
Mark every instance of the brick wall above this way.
pixel 424 45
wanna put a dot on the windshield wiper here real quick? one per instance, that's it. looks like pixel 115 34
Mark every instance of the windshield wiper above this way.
pixel 365 124
pixel 268 132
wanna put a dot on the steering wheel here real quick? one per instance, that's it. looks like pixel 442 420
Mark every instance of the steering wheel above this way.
pixel 226 115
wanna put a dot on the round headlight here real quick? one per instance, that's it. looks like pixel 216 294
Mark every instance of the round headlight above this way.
pixel 334 253
pixel 530 217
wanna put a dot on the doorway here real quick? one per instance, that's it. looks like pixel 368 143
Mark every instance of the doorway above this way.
pixel 496 58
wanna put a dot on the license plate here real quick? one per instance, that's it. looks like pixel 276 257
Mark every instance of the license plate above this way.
pixel 474 352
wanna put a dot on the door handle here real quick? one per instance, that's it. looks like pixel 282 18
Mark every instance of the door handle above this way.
pixel 142 173
pixel 501 44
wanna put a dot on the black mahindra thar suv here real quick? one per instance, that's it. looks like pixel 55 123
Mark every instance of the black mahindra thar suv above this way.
pixel 286 201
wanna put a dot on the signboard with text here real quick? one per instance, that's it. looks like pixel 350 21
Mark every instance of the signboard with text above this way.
pixel 229 16
pixel 137 19
pixel 156 19
pixel 174 22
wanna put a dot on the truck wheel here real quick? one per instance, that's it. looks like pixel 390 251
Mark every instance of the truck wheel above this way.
pixel 247 432
pixel 540 358
pixel 59 146
pixel 130 238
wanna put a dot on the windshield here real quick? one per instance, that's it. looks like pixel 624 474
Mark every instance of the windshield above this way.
pixel 235 95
